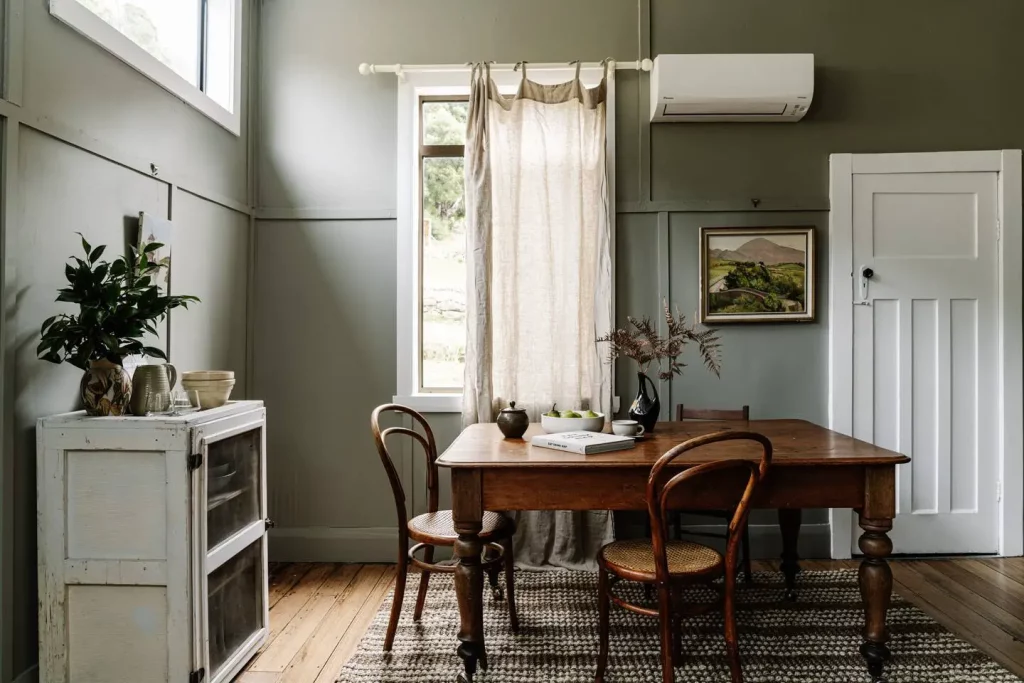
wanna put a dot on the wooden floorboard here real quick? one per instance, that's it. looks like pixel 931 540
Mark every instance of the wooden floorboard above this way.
pixel 320 612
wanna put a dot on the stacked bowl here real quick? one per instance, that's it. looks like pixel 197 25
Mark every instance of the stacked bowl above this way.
pixel 208 388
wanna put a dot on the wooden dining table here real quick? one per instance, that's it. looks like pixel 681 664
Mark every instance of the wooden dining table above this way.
pixel 813 467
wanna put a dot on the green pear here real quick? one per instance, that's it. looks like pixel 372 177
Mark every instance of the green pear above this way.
pixel 590 413
pixel 570 413
pixel 553 412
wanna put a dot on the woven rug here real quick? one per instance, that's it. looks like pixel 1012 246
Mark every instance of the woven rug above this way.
pixel 813 640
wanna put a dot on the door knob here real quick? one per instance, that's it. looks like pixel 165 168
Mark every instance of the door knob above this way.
pixel 865 274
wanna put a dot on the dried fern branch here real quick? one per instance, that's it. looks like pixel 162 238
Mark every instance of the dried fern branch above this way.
pixel 644 345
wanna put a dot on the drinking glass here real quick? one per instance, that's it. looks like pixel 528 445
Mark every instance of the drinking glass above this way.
pixel 180 403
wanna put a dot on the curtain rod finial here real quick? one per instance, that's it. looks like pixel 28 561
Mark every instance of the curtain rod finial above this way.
pixel 365 69
pixel 646 64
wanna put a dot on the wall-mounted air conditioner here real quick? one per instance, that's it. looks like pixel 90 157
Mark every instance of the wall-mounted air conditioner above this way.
pixel 696 88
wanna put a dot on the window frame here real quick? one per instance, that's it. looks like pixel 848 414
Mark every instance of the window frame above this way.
pixel 413 87
pixel 79 18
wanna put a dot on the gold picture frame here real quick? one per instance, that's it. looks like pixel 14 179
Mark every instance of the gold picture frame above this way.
pixel 757 275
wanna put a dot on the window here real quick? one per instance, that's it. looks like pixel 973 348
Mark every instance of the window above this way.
pixel 431 291
pixel 192 48
pixel 442 285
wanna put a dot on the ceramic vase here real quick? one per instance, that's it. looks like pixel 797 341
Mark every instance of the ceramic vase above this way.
pixel 646 406
pixel 106 389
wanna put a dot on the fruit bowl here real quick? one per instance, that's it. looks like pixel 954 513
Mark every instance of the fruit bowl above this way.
pixel 554 425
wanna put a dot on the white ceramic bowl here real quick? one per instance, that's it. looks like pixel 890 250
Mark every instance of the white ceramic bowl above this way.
pixel 554 425
pixel 207 375
pixel 204 394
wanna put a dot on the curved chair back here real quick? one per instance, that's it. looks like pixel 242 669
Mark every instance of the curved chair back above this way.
pixel 425 440
pixel 659 490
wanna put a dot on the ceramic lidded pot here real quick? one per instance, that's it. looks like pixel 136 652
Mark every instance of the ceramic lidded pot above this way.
pixel 513 421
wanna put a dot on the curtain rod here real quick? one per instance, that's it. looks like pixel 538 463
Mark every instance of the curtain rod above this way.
pixel 400 69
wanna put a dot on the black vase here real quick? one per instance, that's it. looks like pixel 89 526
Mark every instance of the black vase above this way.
pixel 645 407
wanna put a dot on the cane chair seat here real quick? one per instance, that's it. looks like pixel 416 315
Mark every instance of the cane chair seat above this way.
pixel 438 528
pixel 637 558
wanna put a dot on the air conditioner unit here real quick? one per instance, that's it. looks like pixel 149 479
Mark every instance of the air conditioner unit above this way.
pixel 696 88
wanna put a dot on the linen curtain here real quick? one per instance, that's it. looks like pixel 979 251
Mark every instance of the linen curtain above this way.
pixel 539 276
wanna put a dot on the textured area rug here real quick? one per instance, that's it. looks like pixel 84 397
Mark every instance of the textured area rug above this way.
pixel 814 640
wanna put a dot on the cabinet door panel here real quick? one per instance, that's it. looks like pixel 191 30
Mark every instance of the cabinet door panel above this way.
pixel 233 483
pixel 236 605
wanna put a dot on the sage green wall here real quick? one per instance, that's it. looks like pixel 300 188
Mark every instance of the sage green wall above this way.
pixel 917 75
pixel 324 325
pixel 79 149
pixel 907 76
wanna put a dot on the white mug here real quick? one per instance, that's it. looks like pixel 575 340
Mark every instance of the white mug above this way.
pixel 627 428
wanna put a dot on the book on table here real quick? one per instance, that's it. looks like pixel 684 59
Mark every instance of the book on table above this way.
pixel 585 443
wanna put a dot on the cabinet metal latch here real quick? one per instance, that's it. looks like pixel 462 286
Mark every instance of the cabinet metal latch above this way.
pixel 199 675
pixel 270 523
pixel 195 461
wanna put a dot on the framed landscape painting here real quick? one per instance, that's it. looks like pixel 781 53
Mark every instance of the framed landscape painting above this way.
pixel 756 275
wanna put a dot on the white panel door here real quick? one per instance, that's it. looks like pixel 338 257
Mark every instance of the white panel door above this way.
pixel 925 350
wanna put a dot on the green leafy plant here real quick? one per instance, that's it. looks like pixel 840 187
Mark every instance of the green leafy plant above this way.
pixel 644 345
pixel 118 301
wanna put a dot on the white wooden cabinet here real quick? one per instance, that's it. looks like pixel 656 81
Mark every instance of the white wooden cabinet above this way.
pixel 152 546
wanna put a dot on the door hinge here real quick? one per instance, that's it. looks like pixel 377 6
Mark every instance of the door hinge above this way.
pixel 197 676
pixel 195 461
pixel 999 491
pixel 999 230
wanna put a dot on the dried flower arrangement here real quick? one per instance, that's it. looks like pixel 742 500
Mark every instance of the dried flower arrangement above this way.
pixel 644 345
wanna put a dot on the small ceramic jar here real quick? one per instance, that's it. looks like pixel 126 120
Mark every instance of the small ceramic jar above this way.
pixel 513 421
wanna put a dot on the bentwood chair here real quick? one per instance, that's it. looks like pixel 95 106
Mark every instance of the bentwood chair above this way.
pixel 671 565
pixel 684 413
pixel 435 527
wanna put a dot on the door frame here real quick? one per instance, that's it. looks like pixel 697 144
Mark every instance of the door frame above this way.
pixel 1007 165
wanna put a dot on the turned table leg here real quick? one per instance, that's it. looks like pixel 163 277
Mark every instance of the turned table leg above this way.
pixel 876 591
pixel 789 524
pixel 469 575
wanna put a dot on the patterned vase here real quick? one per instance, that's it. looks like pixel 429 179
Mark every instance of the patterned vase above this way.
pixel 644 408
pixel 106 389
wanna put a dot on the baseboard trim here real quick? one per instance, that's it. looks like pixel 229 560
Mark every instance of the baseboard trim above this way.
pixel 378 544
pixel 28 675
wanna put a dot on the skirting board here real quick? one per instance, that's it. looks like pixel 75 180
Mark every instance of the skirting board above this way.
pixel 378 544
pixel 28 675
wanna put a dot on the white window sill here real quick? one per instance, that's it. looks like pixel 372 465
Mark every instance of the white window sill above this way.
pixel 432 403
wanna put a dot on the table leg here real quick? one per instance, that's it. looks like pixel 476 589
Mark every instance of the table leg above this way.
pixel 876 590
pixel 469 575
pixel 789 524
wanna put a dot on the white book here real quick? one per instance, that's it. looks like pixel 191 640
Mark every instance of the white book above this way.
pixel 585 443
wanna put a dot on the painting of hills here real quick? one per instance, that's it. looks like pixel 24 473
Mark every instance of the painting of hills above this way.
pixel 756 274
pixel 761 250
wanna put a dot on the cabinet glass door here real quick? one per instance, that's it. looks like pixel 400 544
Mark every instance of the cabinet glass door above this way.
pixel 235 607
pixel 233 486
pixel 230 545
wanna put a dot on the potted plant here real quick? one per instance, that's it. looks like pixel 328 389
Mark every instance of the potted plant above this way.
pixel 644 345
pixel 118 304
